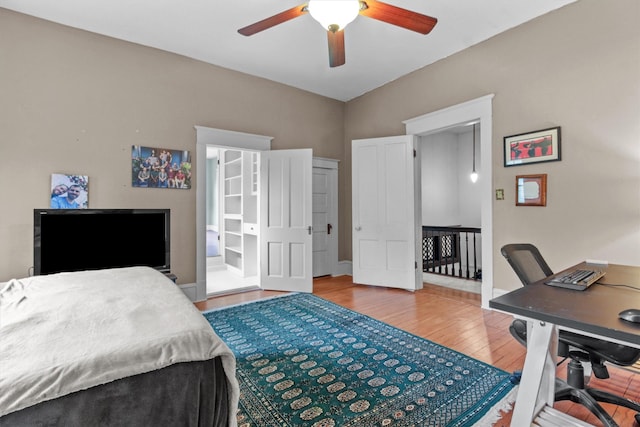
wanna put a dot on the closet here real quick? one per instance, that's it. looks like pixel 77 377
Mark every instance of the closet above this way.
pixel 239 237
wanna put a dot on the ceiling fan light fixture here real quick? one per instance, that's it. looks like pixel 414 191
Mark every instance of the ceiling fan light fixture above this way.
pixel 334 15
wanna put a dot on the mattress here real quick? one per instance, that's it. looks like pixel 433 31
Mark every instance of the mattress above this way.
pixel 68 332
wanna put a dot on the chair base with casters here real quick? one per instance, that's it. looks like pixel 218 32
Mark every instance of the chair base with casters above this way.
pixel 574 387
pixel 589 397
pixel 530 267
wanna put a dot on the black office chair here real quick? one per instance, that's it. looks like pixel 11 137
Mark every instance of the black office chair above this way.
pixel 528 264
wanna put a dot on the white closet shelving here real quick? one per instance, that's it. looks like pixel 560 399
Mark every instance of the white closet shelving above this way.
pixel 240 211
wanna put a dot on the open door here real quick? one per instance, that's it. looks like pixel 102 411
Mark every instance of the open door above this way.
pixel 386 250
pixel 285 220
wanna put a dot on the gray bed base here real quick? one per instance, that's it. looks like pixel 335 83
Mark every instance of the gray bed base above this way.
pixel 192 394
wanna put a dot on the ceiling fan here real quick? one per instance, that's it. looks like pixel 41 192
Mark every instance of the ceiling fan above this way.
pixel 334 15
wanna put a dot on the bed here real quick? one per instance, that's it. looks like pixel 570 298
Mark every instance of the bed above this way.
pixel 110 347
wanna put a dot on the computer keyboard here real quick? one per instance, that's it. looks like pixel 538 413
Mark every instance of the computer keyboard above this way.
pixel 576 279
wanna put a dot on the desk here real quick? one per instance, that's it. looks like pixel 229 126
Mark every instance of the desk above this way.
pixel 593 312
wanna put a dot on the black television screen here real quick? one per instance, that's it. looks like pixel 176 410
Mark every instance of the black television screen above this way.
pixel 92 239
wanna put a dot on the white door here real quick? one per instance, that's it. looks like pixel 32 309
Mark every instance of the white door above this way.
pixel 325 217
pixel 285 220
pixel 386 250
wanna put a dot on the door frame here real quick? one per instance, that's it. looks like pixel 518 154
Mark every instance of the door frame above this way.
pixel 224 139
pixel 437 121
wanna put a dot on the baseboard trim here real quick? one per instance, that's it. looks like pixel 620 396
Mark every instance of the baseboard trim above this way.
pixel 343 268
pixel 190 290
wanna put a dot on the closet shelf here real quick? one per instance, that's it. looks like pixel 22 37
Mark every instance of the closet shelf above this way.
pixel 240 208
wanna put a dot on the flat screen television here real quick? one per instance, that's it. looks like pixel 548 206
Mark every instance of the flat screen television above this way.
pixel 92 239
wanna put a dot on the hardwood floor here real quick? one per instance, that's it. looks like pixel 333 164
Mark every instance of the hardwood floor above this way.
pixel 454 319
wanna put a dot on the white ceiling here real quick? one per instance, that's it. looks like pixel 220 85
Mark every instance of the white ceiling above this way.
pixel 295 52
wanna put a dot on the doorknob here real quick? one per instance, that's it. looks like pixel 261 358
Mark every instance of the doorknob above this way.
pixel 329 227
pixel 309 230
pixel 358 228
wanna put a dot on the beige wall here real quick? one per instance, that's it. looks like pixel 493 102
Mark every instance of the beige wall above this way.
pixel 73 102
pixel 578 68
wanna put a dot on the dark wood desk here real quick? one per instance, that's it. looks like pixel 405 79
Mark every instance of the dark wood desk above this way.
pixel 593 312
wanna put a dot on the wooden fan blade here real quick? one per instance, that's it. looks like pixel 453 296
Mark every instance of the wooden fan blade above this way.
pixel 274 20
pixel 336 48
pixel 394 15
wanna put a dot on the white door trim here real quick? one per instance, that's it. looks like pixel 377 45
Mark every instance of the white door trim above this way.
pixel 476 109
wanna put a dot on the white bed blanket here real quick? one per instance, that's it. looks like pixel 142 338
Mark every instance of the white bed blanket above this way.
pixel 67 332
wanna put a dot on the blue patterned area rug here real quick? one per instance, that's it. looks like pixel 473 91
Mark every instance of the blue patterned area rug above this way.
pixel 305 361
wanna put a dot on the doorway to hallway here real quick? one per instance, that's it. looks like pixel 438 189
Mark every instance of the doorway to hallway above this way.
pixel 450 202
pixel 480 110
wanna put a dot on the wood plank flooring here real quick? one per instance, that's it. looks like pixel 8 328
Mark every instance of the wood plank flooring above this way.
pixel 454 319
